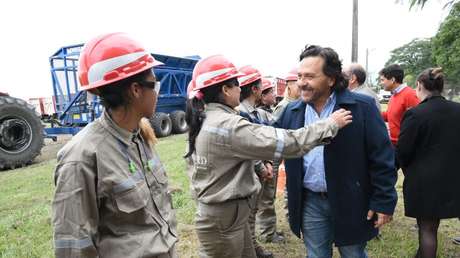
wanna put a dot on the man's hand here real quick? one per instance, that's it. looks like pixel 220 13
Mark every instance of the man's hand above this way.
pixel 381 218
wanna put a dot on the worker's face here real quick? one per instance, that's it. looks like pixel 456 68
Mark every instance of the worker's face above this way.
pixel 231 95
pixel 268 98
pixel 388 84
pixel 148 99
pixel 294 90
pixel 314 84
pixel 257 91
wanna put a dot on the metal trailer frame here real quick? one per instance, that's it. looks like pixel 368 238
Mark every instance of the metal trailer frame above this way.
pixel 76 108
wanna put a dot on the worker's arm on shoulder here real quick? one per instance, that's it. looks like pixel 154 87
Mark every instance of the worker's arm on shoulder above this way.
pixel 75 210
pixel 381 165
pixel 407 139
pixel 252 141
pixel 279 117
pixel 278 111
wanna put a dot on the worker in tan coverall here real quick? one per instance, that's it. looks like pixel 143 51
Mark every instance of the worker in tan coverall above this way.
pixel 223 146
pixel 291 94
pixel 112 196
pixel 266 213
pixel 250 83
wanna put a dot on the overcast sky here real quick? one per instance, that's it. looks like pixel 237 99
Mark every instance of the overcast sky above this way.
pixel 266 34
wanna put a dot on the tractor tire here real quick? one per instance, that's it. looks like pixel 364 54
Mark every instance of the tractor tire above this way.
pixel 21 133
pixel 161 124
pixel 178 122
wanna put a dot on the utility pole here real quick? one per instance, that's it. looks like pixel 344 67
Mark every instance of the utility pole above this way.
pixel 367 59
pixel 354 36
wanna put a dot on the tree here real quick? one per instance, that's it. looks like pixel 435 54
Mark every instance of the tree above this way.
pixel 413 57
pixel 354 33
pixel 421 3
pixel 446 46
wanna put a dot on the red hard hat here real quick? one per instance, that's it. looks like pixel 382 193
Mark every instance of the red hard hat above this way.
pixel 249 75
pixel 267 84
pixel 213 70
pixel 110 58
pixel 292 75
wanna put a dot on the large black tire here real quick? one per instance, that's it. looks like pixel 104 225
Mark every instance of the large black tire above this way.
pixel 178 122
pixel 21 133
pixel 161 124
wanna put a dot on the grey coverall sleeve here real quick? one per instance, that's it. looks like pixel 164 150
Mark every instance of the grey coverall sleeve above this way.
pixel 253 141
pixel 75 210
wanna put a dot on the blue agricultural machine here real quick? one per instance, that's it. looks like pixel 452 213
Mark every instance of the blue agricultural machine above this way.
pixel 21 131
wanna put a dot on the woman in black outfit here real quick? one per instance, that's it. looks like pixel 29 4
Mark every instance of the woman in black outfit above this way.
pixel 428 148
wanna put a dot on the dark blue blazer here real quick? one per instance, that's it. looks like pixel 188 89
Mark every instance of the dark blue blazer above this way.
pixel 359 164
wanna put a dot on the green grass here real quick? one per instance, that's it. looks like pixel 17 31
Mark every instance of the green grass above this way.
pixel 25 208
pixel 171 150
pixel 25 215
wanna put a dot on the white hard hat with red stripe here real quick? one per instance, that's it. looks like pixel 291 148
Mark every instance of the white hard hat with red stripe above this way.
pixel 213 70
pixel 249 75
pixel 110 58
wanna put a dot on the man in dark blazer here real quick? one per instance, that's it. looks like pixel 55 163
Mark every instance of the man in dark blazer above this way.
pixel 342 192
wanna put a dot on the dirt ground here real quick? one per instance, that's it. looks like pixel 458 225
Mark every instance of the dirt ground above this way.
pixel 50 150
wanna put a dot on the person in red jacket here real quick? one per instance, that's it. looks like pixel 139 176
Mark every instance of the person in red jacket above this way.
pixel 402 98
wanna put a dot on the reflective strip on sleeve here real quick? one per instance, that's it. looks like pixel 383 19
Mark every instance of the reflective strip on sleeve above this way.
pixel 73 243
pixel 124 185
pixel 279 143
pixel 215 130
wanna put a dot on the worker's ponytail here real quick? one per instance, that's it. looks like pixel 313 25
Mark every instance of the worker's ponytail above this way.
pixel 147 132
pixel 195 110
pixel 194 116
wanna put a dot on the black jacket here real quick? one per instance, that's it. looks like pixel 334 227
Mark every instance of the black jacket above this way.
pixel 428 151
pixel 359 164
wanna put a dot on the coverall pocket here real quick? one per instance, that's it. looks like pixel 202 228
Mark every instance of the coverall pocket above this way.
pixel 234 216
pixel 131 200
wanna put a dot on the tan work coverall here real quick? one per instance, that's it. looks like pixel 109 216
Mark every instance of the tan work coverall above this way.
pixel 223 176
pixel 111 196
pixel 265 216
pixel 262 208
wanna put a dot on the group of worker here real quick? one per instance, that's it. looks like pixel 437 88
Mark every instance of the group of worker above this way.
pixel 112 197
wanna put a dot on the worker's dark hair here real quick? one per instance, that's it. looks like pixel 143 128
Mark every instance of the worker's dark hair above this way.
pixel 432 80
pixel 332 67
pixel 246 90
pixel 359 72
pixel 393 71
pixel 194 112
pixel 116 95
